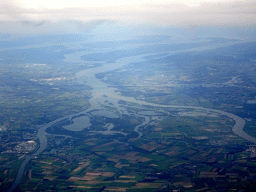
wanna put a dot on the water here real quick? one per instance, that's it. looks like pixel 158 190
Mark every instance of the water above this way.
pixel 79 124
pixel 102 95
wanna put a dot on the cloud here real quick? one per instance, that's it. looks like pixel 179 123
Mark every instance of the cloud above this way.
pixel 34 23
pixel 27 16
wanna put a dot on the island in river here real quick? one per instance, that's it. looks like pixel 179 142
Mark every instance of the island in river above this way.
pixel 154 119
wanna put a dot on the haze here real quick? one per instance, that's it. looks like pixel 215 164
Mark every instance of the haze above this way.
pixel 138 95
pixel 21 16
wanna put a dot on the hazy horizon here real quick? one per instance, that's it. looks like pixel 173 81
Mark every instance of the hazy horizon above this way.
pixel 60 17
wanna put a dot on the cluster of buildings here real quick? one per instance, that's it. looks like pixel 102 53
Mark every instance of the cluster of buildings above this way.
pixel 23 147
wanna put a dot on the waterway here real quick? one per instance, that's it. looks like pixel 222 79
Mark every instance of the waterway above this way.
pixel 103 95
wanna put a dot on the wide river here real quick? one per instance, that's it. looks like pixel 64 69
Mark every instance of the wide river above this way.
pixel 103 94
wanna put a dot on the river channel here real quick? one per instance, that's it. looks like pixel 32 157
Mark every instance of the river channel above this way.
pixel 104 95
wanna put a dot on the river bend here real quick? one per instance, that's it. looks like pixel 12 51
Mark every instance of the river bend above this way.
pixel 102 94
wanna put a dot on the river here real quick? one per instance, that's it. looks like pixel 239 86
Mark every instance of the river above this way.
pixel 102 94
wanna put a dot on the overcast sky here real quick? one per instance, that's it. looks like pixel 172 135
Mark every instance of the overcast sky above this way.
pixel 42 16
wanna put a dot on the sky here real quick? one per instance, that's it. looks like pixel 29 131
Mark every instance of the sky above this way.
pixel 74 16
